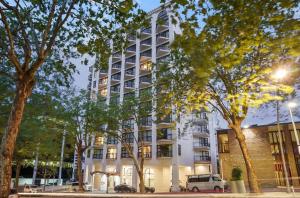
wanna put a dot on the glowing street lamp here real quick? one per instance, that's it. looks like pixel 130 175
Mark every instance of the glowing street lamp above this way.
pixel 293 105
pixel 279 75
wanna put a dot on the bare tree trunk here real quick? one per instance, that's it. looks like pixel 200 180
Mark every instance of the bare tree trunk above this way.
pixel 23 90
pixel 142 183
pixel 79 167
pixel 18 170
pixel 141 172
pixel 252 178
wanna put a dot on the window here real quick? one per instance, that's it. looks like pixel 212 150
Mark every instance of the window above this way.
pixel 202 156
pixel 163 59
pixel 131 48
pixel 146 66
pixel 116 65
pixel 146 150
pixel 115 88
pixel 125 153
pixel 145 136
pixel 98 154
pixel 99 140
pixel 223 146
pixel 164 150
pixel 103 81
pixel 116 76
pixel 129 83
pixel 111 153
pixel 103 92
pixel 165 134
pixel 216 178
pixel 128 137
pixel 164 34
pixel 179 150
pixel 111 140
pixel 164 46
pixel 149 177
pixel 128 124
pixel 145 79
pixel 147 53
pixel 94 84
pixel 130 71
pixel 146 121
pixel 201 142
pixel 147 41
pixel 130 59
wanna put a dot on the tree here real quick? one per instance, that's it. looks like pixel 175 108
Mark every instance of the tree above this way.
pixel 120 121
pixel 225 57
pixel 81 118
pixel 37 32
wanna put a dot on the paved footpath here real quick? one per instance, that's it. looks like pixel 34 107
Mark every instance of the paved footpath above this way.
pixel 163 195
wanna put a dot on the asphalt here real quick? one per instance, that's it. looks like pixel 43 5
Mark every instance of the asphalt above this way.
pixel 164 195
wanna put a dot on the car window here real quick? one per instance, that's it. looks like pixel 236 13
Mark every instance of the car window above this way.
pixel 216 178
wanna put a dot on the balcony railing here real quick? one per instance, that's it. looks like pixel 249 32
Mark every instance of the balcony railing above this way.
pixel 164 153
pixel 199 158
pixel 146 154
pixel 201 145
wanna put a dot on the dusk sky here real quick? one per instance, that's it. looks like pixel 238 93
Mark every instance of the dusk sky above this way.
pixel 81 79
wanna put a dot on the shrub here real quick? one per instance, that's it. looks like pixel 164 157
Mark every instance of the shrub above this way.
pixel 236 174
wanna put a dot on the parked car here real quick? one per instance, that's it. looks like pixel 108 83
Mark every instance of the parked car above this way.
pixel 32 189
pixel 196 183
pixel 149 189
pixel 124 188
pixel 181 188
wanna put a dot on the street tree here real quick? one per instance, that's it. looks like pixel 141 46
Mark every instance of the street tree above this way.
pixel 225 57
pixel 35 32
pixel 127 123
pixel 81 118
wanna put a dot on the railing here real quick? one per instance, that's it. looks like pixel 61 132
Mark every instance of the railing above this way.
pixel 199 144
pixel 164 137
pixel 116 66
pixel 201 158
pixel 146 154
pixel 164 153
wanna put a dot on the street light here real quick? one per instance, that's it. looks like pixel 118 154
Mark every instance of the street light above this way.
pixel 293 105
pixel 279 75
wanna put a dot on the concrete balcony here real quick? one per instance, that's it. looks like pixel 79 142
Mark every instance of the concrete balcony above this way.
pixel 163 26
pixel 116 57
pixel 162 50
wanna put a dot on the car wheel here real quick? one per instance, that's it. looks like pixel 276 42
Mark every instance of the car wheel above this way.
pixel 217 188
pixel 195 189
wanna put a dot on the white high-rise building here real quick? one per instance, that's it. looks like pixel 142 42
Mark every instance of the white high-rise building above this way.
pixel 180 151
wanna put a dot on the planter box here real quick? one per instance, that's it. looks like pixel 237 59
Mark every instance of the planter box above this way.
pixel 238 186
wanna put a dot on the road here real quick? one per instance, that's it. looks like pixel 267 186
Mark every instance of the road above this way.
pixel 163 195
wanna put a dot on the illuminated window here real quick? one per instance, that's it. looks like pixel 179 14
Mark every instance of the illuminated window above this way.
pixel 149 177
pixel 99 141
pixel 146 66
pixel 103 92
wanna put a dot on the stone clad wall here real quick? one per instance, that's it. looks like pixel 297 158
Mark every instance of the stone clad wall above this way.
pixel 260 151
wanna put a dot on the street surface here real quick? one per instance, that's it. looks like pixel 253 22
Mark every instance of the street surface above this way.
pixel 164 195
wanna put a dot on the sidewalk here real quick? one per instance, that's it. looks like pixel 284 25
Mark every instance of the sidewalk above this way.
pixel 166 195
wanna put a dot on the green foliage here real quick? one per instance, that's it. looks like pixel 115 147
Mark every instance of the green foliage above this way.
pixel 236 174
pixel 225 58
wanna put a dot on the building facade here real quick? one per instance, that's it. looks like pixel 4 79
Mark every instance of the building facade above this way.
pixel 181 149
pixel 264 148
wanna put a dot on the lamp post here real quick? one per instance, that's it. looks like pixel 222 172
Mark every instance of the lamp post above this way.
pixel 292 105
pixel 279 75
